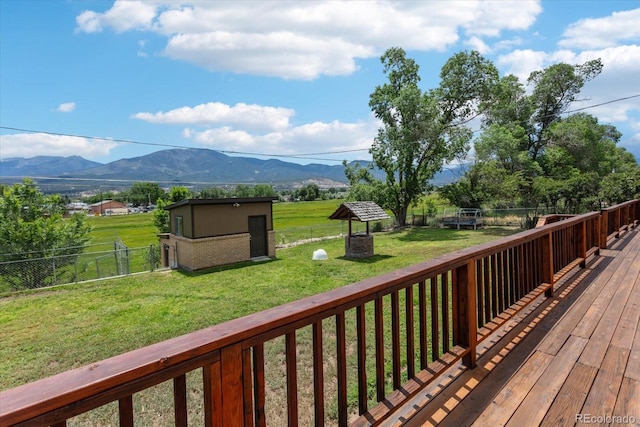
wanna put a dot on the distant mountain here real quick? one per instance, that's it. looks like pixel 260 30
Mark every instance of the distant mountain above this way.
pixel 190 166
pixel 44 165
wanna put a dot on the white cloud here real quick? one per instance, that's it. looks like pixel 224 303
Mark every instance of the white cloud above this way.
pixel 249 116
pixel 476 43
pixel 332 137
pixel 123 16
pixel 42 144
pixel 66 107
pixel 522 62
pixel 595 33
pixel 303 40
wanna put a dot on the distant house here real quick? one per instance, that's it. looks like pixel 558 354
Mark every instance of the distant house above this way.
pixel 76 207
pixel 108 207
pixel 211 232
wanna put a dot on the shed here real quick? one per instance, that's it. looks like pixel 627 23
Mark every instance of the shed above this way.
pixel 359 245
pixel 211 232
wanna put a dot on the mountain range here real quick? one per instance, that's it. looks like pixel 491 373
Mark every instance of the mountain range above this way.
pixel 196 166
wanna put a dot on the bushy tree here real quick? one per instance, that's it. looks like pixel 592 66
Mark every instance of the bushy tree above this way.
pixel 179 193
pixel 213 193
pixel 160 215
pixel 422 130
pixel 145 193
pixel 541 156
pixel 32 227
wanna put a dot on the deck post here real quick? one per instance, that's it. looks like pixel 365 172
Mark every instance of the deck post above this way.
pixel 223 389
pixel 604 229
pixel 547 263
pixel 582 242
pixel 465 328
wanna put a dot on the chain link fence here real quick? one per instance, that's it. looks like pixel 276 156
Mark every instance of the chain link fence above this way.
pixel 63 269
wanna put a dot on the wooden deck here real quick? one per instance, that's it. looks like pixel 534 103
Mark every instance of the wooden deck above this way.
pixel 575 358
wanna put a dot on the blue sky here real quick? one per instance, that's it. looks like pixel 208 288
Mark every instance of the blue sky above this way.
pixel 282 78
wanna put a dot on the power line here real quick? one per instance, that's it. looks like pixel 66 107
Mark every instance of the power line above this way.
pixel 602 103
pixel 303 156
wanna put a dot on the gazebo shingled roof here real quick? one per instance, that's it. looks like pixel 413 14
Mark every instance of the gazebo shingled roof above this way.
pixel 361 211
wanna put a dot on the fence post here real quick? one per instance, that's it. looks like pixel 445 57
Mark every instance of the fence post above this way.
pixel 151 258
pixel 465 328
pixel 55 278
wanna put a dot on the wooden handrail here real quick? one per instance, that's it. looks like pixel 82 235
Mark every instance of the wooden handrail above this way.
pixel 450 304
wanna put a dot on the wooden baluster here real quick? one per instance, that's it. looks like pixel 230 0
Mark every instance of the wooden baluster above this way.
pixel 379 327
pixel 410 334
pixel 362 359
pixel 479 292
pixel 180 400
pixel 486 283
pixel 125 410
pixel 513 276
pixel 341 350
pixel 292 378
pixel 493 267
pixel 422 312
pixel 318 374
pixel 446 325
pixel 247 388
pixel 500 282
pixel 395 339
pixel 435 324
pixel 258 386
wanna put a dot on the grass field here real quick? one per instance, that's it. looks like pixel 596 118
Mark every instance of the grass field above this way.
pixel 291 221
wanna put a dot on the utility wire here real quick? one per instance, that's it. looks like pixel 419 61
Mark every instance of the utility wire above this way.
pixel 292 156
pixel 157 144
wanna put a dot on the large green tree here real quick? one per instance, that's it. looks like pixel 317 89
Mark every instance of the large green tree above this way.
pixel 32 229
pixel 422 130
pixel 544 156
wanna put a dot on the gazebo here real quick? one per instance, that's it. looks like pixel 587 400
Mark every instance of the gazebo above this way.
pixel 359 245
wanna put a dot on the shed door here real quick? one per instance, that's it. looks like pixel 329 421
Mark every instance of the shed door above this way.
pixel 258 232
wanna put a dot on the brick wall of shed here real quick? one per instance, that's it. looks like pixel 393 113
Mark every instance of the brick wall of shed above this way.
pixel 196 254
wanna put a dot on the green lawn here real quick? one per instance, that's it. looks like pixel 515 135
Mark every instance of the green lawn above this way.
pixel 53 330
pixel 134 230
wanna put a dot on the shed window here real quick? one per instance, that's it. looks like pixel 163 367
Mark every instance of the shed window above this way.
pixel 179 227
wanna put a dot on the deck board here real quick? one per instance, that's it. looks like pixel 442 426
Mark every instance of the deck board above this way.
pixel 571 397
pixel 576 353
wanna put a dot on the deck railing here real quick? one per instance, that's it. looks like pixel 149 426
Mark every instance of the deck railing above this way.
pixel 372 345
